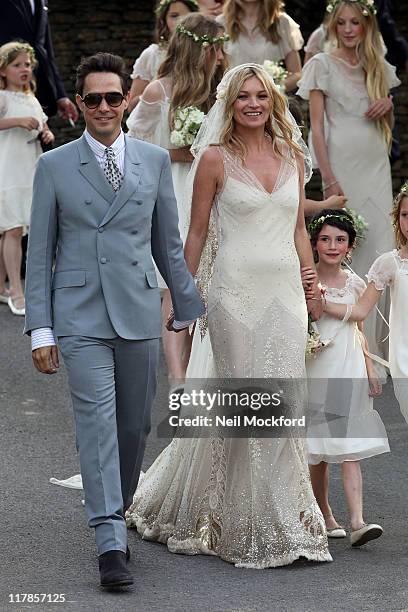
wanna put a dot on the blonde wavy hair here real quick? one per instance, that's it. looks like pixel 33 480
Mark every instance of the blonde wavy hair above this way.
pixel 400 239
pixel 192 66
pixel 370 52
pixel 277 127
pixel 268 19
pixel 8 54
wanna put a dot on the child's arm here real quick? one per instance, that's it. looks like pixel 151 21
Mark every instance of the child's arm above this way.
pixel 28 123
pixel 373 380
pixel 357 312
pixel 47 137
pixel 314 206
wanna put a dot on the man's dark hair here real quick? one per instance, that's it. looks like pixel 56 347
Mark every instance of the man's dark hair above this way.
pixel 102 62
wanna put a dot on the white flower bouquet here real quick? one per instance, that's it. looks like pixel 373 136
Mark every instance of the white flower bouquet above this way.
pixel 187 122
pixel 277 71
pixel 314 343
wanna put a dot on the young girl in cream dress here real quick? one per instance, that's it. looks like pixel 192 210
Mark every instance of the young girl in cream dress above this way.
pixel 344 427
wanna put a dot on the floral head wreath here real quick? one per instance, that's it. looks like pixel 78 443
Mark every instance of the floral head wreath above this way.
pixel 21 47
pixel 366 6
pixel 163 4
pixel 204 40
pixel 318 224
pixel 404 189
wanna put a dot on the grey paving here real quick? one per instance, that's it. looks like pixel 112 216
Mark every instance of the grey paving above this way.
pixel 47 548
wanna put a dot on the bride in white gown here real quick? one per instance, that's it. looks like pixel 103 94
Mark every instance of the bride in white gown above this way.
pixel 249 501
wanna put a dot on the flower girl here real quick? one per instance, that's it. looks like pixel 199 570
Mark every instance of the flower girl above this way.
pixel 390 269
pixel 21 122
pixel 344 428
pixel 187 80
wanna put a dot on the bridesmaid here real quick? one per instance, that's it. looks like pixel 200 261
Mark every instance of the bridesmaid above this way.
pixel 147 64
pixel 350 86
pixel 188 77
pixel 260 30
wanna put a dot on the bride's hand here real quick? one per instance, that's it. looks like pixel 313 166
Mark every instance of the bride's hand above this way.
pixel 333 190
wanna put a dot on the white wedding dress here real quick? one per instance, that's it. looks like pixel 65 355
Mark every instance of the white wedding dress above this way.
pixel 249 501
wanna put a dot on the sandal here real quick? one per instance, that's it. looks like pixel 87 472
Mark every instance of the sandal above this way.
pixel 20 312
pixel 4 297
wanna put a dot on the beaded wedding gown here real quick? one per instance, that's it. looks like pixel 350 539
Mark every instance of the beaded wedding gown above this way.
pixel 247 500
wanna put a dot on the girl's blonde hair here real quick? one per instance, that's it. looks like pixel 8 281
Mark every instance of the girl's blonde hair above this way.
pixel 8 54
pixel 371 54
pixel 268 19
pixel 400 239
pixel 192 65
pixel 277 126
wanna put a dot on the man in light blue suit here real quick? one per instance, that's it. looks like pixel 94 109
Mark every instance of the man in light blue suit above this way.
pixel 102 206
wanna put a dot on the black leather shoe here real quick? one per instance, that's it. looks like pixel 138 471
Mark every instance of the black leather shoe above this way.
pixel 127 554
pixel 113 570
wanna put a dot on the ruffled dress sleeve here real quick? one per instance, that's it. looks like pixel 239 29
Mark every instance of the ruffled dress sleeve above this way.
pixel 316 41
pixel 144 121
pixel 357 286
pixel 146 65
pixel 383 270
pixel 315 75
pixel 291 38
pixel 392 79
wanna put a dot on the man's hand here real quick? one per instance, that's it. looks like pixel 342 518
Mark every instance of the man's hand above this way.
pixel 170 321
pixel 67 110
pixel 46 359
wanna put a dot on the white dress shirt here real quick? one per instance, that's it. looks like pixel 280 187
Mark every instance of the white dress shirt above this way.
pixel 43 336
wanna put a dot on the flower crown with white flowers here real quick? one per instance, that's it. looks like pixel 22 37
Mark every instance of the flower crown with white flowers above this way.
pixel 318 223
pixel 366 6
pixel 204 40
pixel 404 188
pixel 163 4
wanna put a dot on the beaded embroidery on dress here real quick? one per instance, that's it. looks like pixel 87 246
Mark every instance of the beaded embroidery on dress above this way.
pixel 249 501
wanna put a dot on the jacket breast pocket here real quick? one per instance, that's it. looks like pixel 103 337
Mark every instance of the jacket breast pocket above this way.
pixel 68 278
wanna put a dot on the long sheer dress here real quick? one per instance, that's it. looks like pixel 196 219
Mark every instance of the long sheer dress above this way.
pixel 359 159
pixel 247 500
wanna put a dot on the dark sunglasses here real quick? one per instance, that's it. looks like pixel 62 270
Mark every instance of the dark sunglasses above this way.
pixel 112 98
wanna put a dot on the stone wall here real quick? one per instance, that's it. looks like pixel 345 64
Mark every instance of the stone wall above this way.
pixel 125 27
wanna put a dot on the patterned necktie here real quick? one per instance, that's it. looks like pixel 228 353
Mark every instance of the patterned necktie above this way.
pixel 111 170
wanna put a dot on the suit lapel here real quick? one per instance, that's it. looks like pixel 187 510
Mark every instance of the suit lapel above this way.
pixel 90 169
pixel 132 172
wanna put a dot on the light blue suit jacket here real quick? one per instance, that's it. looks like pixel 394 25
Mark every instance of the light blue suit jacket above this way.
pixel 89 264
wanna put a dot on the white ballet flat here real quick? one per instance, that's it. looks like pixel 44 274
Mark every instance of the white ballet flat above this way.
pixel 337 532
pixel 365 534
pixel 20 312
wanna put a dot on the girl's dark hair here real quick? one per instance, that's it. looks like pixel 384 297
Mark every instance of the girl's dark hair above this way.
pixel 336 218
pixel 162 32
pixel 102 62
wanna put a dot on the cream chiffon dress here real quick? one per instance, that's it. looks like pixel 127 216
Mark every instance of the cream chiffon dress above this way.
pixel 391 270
pixel 338 388
pixel 147 64
pixel 255 48
pixel 247 500
pixel 150 121
pixel 19 151
pixel 359 159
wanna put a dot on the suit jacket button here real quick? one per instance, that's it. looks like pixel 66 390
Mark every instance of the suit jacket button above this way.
pixel 139 202
pixel 103 260
pixel 88 201
pixel 101 229
pixel 134 231
pixel 134 263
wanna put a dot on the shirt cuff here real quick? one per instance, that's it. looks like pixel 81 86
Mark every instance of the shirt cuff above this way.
pixel 42 336
pixel 182 324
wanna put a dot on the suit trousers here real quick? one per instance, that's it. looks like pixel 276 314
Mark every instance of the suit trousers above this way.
pixel 112 384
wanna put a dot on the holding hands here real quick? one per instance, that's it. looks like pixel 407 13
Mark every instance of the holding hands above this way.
pixel 313 292
pixel 28 123
pixel 47 137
